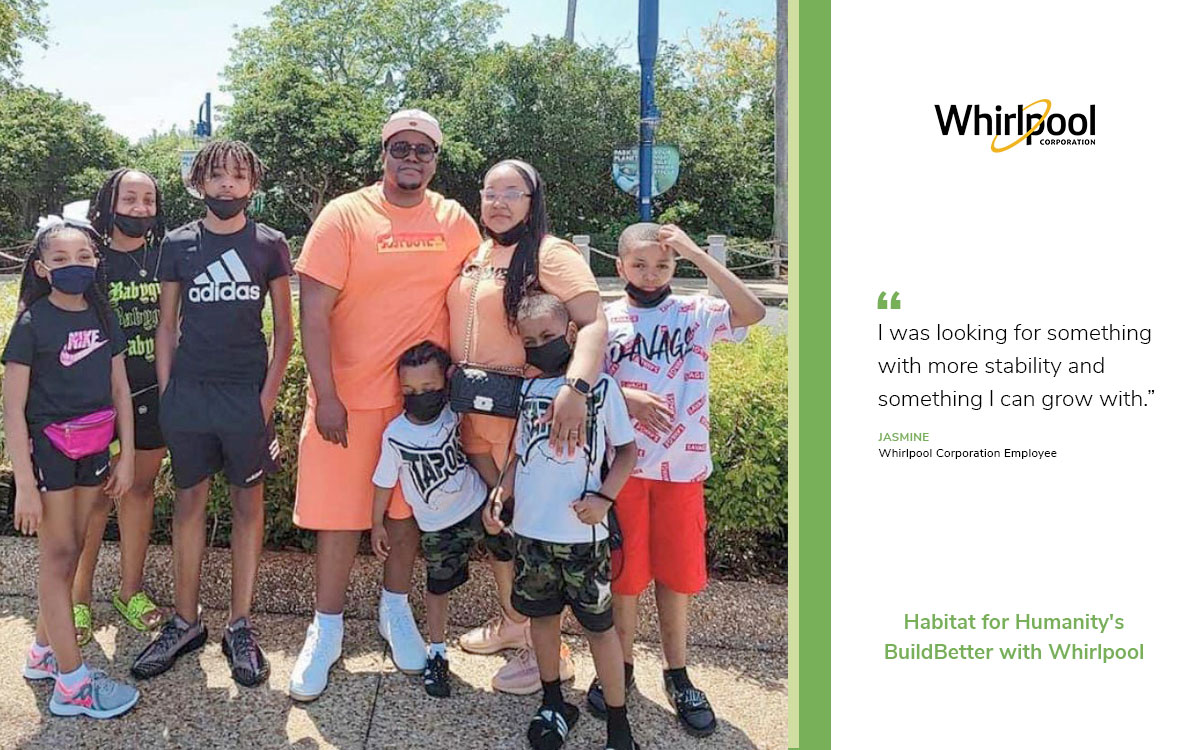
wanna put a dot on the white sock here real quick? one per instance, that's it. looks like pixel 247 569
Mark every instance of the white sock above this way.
pixel 39 650
pixel 437 649
pixel 70 680
pixel 328 623
pixel 392 600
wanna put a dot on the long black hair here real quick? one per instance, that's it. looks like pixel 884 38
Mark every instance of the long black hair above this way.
pixel 523 269
pixel 34 287
pixel 105 206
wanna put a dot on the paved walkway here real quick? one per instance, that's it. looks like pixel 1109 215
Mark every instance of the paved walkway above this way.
pixel 368 704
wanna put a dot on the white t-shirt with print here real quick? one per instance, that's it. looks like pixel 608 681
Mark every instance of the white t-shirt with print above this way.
pixel 545 485
pixel 440 486
pixel 665 350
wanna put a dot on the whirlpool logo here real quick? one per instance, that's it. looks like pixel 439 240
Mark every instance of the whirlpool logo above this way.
pixel 1023 123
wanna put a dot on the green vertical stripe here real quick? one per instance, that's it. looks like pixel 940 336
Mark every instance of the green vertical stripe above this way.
pixel 809 393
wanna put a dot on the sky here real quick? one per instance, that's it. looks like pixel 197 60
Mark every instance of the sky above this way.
pixel 145 65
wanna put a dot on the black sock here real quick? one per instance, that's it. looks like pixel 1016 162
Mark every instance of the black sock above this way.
pixel 552 693
pixel 619 733
pixel 678 677
pixel 628 673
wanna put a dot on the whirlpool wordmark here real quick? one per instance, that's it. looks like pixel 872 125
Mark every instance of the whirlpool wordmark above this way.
pixel 1023 123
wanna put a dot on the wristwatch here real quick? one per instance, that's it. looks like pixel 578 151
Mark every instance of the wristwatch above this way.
pixel 579 385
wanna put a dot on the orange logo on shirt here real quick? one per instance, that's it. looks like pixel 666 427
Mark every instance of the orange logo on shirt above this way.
pixel 411 242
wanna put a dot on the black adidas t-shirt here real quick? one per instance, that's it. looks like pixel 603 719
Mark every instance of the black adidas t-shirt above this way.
pixel 223 282
pixel 133 289
pixel 70 358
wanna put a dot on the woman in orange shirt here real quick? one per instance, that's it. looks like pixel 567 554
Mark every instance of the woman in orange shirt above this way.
pixel 518 254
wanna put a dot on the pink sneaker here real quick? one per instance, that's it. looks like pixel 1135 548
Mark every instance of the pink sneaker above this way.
pixel 520 675
pixel 44 668
pixel 495 635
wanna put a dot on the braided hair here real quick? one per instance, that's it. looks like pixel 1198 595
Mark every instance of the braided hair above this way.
pixel 523 268
pixel 216 154
pixel 34 287
pixel 105 206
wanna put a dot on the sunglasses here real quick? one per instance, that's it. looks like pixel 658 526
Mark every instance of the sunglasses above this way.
pixel 401 150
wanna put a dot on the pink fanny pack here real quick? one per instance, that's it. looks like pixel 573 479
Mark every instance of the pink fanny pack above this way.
pixel 85 436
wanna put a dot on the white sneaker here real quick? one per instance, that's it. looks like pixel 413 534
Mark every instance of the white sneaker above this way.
pixel 310 676
pixel 399 629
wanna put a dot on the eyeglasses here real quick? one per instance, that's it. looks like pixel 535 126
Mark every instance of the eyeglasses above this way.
pixel 505 196
pixel 401 150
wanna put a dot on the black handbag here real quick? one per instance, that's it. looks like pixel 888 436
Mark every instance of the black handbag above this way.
pixel 483 390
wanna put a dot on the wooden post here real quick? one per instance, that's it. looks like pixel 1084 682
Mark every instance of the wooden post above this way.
pixel 716 248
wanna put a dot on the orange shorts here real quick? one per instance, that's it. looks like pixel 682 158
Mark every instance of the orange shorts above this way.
pixel 483 433
pixel 334 491
pixel 663 525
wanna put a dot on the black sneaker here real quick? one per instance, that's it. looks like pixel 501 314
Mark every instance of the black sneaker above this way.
pixel 174 640
pixel 692 708
pixel 246 660
pixel 595 697
pixel 549 729
pixel 437 676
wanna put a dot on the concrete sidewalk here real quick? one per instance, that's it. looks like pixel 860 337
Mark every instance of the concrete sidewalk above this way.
pixel 738 657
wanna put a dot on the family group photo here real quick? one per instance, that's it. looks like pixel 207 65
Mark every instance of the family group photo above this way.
pixel 393 374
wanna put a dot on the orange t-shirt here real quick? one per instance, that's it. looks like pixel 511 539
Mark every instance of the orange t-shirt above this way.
pixel 392 267
pixel 562 271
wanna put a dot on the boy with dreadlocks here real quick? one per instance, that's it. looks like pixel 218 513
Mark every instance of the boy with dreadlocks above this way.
pixel 126 215
pixel 64 392
pixel 218 393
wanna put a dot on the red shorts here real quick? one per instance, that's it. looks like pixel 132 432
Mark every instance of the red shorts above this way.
pixel 663 526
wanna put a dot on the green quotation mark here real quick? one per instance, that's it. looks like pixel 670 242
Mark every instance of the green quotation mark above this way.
pixel 883 305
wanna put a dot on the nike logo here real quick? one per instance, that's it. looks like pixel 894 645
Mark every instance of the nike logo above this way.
pixel 101 470
pixel 67 358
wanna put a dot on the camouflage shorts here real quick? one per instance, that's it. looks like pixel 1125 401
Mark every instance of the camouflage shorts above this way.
pixel 550 576
pixel 448 552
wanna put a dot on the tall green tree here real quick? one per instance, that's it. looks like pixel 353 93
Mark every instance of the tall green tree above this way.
pixel 371 45
pixel 52 151
pixel 20 20
pixel 317 139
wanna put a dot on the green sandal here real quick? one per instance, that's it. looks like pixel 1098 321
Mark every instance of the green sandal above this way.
pixel 141 612
pixel 82 614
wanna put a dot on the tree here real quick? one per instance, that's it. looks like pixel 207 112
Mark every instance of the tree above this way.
pixel 371 45
pixel 717 104
pixel 52 151
pixel 19 20
pixel 558 106
pixel 317 139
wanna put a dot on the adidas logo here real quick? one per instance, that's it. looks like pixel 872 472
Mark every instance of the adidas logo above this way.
pixel 225 280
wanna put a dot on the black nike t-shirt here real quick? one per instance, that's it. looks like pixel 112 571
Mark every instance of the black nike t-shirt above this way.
pixel 69 354
pixel 133 289
pixel 224 281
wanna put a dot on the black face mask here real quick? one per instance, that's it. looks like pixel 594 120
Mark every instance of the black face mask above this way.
pixel 652 298
pixel 511 237
pixel 226 208
pixel 551 357
pixel 425 406
pixel 133 226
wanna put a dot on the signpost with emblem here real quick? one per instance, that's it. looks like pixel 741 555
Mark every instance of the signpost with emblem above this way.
pixel 626 170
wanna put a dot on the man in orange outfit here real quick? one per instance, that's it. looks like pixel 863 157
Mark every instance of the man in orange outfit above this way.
pixel 373 278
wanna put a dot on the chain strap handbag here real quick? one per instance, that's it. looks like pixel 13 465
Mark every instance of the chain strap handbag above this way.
pixel 477 389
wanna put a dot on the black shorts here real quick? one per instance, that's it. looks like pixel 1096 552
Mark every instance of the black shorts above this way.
pixel 211 427
pixel 551 575
pixel 147 433
pixel 55 471
pixel 448 551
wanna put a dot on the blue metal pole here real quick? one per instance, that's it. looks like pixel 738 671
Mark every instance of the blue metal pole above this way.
pixel 647 52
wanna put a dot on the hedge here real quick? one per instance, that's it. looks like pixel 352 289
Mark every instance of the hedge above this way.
pixel 746 495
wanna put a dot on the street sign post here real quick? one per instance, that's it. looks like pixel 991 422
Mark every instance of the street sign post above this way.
pixel 186 157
